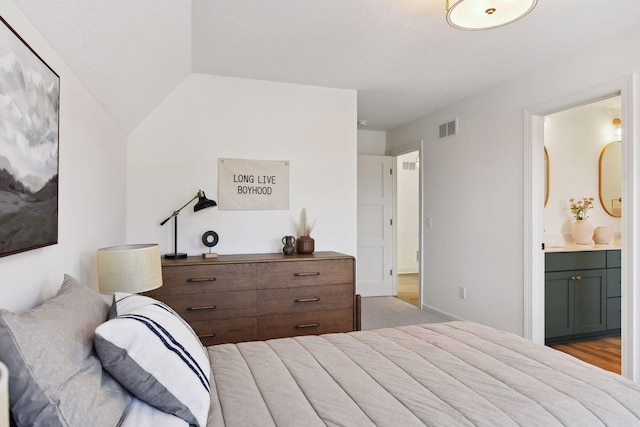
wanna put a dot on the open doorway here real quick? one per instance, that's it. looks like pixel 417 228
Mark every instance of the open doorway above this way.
pixel 407 186
pixel 533 232
pixel 582 273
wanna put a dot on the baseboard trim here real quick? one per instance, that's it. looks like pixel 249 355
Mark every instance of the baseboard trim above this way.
pixel 441 313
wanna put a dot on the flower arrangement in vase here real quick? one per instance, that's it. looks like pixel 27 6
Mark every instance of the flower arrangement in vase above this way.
pixel 579 208
pixel 581 229
pixel 304 243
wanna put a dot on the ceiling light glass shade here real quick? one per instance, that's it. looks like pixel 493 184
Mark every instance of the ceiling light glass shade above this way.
pixel 129 268
pixel 486 14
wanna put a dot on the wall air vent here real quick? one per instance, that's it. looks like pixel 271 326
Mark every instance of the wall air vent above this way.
pixel 409 166
pixel 448 129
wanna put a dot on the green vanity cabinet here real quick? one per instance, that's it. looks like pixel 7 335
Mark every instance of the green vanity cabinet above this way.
pixel 581 298
pixel 575 302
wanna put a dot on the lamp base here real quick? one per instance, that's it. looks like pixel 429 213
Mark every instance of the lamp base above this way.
pixel 175 256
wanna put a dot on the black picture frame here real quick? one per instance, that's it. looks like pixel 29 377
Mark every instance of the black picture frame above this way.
pixel 29 146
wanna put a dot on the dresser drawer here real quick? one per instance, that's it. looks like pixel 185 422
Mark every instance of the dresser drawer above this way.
pixel 206 278
pixel 212 332
pixel 213 305
pixel 304 273
pixel 308 323
pixel 306 298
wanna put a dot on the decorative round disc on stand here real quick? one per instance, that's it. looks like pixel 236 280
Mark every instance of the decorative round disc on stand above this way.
pixel 210 239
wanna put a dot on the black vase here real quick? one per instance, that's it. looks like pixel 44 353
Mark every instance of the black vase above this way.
pixel 288 242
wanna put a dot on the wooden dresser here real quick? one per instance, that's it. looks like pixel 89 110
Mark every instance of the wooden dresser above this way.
pixel 236 298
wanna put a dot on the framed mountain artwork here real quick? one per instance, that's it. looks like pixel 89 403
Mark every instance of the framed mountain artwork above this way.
pixel 29 117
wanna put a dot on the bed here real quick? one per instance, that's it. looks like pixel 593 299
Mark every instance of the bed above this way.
pixel 446 374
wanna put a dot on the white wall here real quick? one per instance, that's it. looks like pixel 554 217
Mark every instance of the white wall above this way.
pixel 174 152
pixel 372 142
pixel 473 183
pixel 91 205
pixel 574 140
pixel 408 212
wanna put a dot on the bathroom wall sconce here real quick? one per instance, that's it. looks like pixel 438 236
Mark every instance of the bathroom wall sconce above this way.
pixel 486 14
pixel 617 124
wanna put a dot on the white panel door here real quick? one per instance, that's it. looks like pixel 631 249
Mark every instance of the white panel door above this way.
pixel 375 236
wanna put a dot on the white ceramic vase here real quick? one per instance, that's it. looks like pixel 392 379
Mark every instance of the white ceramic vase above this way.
pixel 603 235
pixel 582 232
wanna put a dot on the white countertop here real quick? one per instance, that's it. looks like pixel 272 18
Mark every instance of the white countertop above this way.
pixel 573 247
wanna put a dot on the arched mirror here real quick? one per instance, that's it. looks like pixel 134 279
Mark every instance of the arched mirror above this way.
pixel 610 178
pixel 546 176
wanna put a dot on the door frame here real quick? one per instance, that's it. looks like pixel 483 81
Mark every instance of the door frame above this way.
pixel 533 233
pixel 416 145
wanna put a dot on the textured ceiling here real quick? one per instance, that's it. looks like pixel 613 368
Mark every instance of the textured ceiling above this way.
pixel 400 55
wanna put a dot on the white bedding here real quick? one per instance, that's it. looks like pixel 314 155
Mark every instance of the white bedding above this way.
pixel 447 374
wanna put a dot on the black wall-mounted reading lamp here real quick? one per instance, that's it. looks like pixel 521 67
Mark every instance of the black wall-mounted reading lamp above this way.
pixel 203 203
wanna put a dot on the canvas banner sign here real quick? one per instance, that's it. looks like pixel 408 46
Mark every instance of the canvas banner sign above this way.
pixel 253 184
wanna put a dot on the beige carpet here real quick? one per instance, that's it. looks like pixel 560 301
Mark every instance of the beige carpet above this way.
pixel 385 312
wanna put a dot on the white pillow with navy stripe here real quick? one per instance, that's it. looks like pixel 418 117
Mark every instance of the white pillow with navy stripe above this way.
pixel 156 355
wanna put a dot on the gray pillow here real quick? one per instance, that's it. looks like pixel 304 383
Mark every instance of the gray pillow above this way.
pixel 55 377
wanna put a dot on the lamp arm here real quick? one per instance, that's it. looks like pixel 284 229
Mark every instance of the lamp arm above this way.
pixel 172 215
pixel 178 211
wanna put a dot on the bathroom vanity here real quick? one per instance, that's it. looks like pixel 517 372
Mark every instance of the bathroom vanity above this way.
pixel 582 293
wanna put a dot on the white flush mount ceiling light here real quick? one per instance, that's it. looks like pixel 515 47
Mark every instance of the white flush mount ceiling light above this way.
pixel 486 14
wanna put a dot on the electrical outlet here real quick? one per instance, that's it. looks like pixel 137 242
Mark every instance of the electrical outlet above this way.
pixel 463 292
pixel 429 222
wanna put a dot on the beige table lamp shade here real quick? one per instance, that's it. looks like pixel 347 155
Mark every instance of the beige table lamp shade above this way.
pixel 129 268
pixel 4 396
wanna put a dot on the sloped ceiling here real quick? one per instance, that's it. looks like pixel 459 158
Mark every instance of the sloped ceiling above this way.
pixel 400 55
pixel 129 53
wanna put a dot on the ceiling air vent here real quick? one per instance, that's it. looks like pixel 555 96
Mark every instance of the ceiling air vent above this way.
pixel 448 129
pixel 410 166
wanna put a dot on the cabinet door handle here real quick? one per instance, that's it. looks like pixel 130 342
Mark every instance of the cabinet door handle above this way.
pixel 206 279
pixel 314 273
pixel 576 278
pixel 308 325
pixel 202 307
pixel 307 299
pixel 211 335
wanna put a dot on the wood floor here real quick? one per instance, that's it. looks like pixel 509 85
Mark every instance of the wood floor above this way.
pixel 602 352
pixel 408 288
